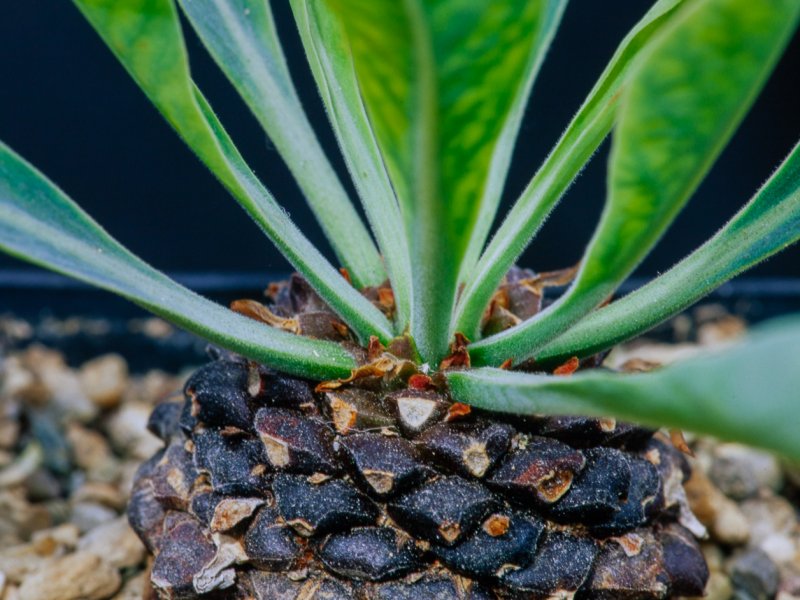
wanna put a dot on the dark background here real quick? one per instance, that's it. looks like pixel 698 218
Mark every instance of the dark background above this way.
pixel 68 107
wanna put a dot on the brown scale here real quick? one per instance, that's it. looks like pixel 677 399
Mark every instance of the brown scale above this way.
pixel 380 487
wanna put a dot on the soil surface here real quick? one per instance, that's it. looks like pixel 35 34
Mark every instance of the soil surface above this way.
pixel 72 433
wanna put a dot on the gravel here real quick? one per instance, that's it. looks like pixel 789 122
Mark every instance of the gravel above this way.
pixel 71 437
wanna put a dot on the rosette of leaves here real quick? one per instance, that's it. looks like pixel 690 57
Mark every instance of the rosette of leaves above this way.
pixel 396 428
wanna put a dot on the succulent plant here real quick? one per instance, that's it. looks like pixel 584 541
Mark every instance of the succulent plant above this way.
pixel 396 428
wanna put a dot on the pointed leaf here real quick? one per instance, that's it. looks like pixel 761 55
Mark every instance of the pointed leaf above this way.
pixel 501 158
pixel 439 81
pixel 241 36
pixel 746 393
pixel 146 37
pixel 331 63
pixel 581 139
pixel 689 92
pixel 766 225
pixel 40 224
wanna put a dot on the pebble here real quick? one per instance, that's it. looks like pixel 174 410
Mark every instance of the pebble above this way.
pixel 662 354
pixel 781 548
pixel 100 493
pixel 6 458
pixel 127 472
pixel 66 393
pixel 718 513
pixel 19 382
pixel 19 518
pixel 135 588
pixel 768 517
pixel 104 379
pixel 79 576
pixel 740 472
pixel 9 432
pixel 790 586
pixel 88 515
pixel 754 575
pixel 42 485
pixel 17 562
pixel 721 331
pixel 55 540
pixel 13 328
pixel 714 557
pixel 37 356
pixel 730 526
pixel 153 387
pixel 127 429
pixel 59 510
pixel 46 427
pixel 703 449
pixel 23 467
pixel 92 453
pixel 115 542
pixel 153 327
pixel 719 587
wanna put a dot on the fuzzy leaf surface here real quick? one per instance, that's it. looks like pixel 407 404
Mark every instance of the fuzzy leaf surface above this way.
pixel 439 80
pixel 746 393
pixel 767 224
pixel 331 63
pixel 145 36
pixel 40 224
pixel 501 158
pixel 573 150
pixel 689 92
pixel 241 36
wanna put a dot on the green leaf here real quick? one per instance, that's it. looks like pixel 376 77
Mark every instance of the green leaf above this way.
pixel 765 225
pixel 688 94
pixel 40 224
pixel 584 134
pixel 501 159
pixel 439 80
pixel 241 36
pixel 145 35
pixel 332 66
pixel 746 393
